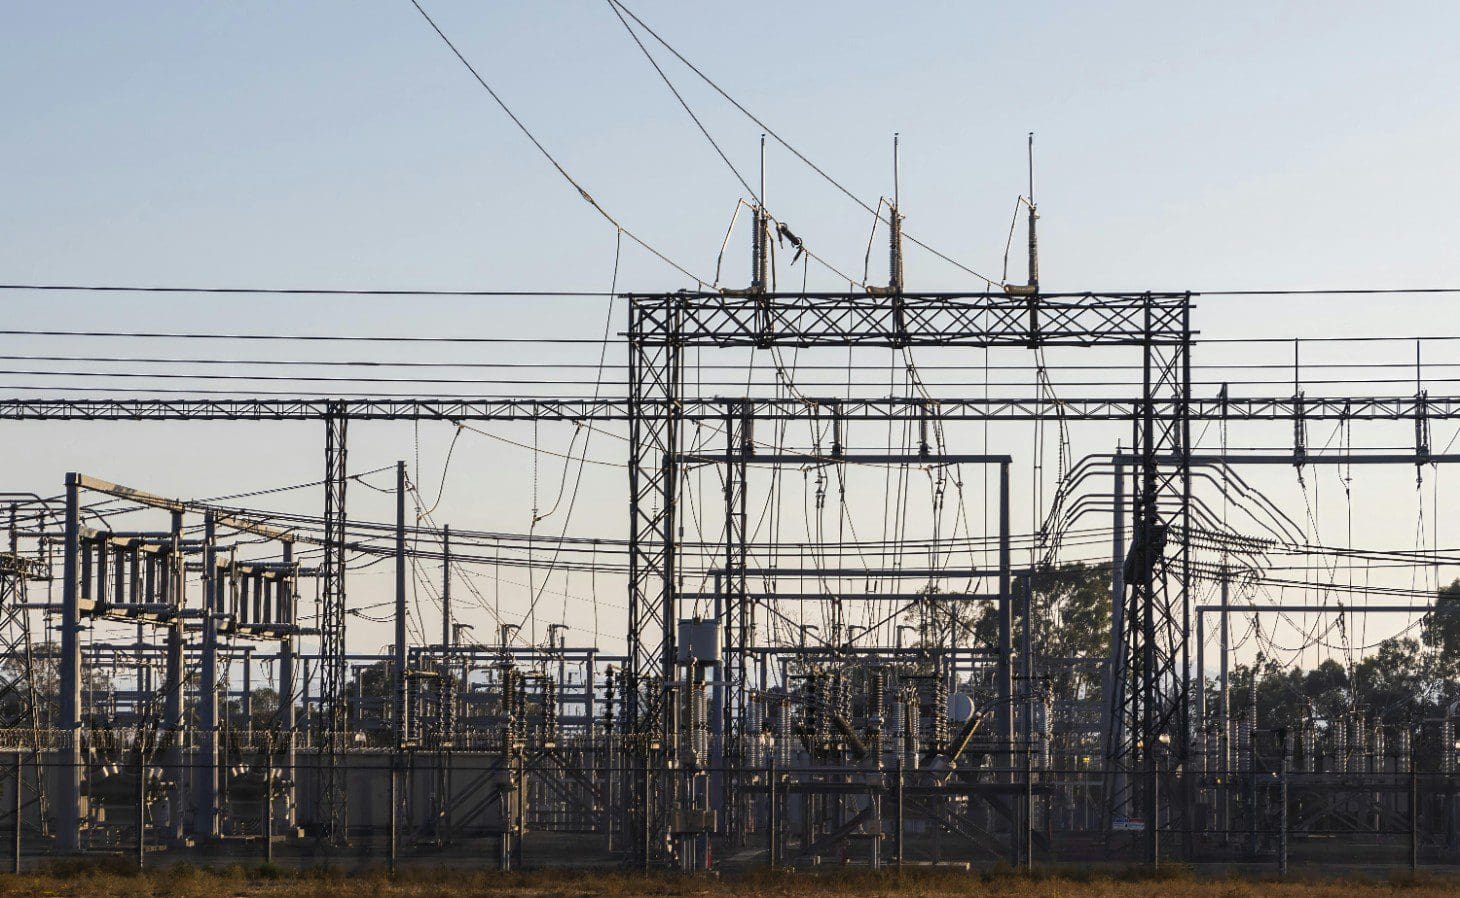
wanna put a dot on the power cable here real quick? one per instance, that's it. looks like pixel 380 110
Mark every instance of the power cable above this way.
pixel 782 141
pixel 588 198
pixel 291 291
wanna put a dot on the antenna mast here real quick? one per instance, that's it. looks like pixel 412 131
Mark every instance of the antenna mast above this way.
pixel 1033 217
pixel 894 264
pixel 759 234
pixel 894 231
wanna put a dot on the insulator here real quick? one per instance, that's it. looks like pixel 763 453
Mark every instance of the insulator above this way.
pixel 1046 732
pixel 896 723
pixel 782 709
pixel 507 685
pixel 519 710
pixel 1244 742
pixel 755 716
pixel 912 726
pixel 699 727
pixel 894 263
pixel 549 710
pixel 823 706
pixel 509 688
pixel 1308 737
pixel 1447 744
pixel 939 715
pixel 875 682
pixel 608 705
pixel 807 728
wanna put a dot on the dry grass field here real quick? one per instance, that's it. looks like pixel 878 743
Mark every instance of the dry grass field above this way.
pixel 103 881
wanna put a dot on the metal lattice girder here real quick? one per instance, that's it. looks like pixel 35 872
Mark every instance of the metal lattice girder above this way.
pixel 18 700
pixel 917 319
pixel 1027 408
pixel 333 811
pixel 21 715
pixel 739 441
pixel 655 372
pixel 1151 705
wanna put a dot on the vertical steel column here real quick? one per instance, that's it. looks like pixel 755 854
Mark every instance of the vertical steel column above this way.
pixel 402 724
pixel 402 698
pixel 719 782
pixel 1224 698
pixel 288 719
pixel 1200 692
pixel 333 813
pixel 448 691
pixel 739 441
pixel 68 771
pixel 205 802
pixel 1147 523
pixel 174 584
pixel 141 846
pixel 654 393
pixel 1004 668
pixel 1150 727
pixel 1180 628
pixel 1115 667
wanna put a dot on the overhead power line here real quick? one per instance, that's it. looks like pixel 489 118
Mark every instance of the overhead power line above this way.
pixel 346 338
pixel 795 152
pixel 1329 291
pixel 587 197
pixel 290 291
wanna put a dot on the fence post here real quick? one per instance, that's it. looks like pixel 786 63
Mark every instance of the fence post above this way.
pixel 901 816
pixel 141 804
pixel 1283 805
pixel 394 808
pixel 1413 810
pixel 19 807
pixel 269 806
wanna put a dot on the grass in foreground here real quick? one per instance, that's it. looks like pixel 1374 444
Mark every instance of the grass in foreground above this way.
pixel 115 881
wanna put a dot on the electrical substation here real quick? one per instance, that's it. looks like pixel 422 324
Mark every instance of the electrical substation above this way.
pixel 889 578
pixel 803 699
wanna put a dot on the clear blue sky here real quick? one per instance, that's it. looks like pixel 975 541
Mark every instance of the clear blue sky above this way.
pixel 1179 145
pixel 1200 146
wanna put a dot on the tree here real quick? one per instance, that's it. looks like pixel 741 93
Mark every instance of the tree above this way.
pixel 1071 620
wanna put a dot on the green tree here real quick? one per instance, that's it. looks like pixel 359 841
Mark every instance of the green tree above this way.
pixel 1070 620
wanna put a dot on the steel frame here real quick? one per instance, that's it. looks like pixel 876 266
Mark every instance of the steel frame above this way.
pixel 1151 671
pixel 1025 408
pixel 333 792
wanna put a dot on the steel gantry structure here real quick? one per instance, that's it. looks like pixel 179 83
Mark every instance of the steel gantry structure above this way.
pixel 1150 661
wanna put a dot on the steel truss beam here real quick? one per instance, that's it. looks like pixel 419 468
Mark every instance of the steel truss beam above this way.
pixel 1027 408
pixel 917 319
